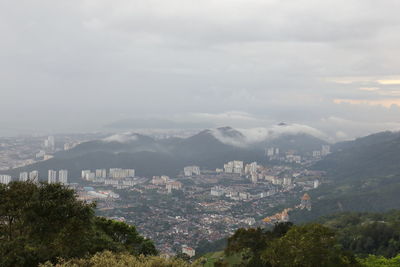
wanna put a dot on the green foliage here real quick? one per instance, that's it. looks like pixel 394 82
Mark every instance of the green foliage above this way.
pixel 379 261
pixel 119 237
pixel 205 246
pixel 367 233
pixel 308 245
pixel 250 243
pixel 109 259
pixel 43 222
pixel 361 175
pixel 287 245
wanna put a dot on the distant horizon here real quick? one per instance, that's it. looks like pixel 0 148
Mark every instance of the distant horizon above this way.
pixel 186 132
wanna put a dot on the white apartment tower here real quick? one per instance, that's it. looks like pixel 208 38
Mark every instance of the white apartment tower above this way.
pixel 191 170
pixel 52 177
pixel 34 176
pixel 5 179
pixel 101 173
pixel 23 177
pixel 63 176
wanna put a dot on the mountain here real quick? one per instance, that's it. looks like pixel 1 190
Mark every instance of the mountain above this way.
pixel 361 175
pixel 148 156
pixel 302 143
pixel 376 155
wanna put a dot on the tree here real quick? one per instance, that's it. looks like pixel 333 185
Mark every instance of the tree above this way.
pixel 252 242
pixel 43 222
pixel 307 246
pixel 380 261
pixel 108 258
pixel 123 237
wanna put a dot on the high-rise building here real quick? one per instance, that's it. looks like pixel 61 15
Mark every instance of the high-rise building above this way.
pixel 270 152
pixel 84 174
pixel 118 173
pixel 23 177
pixel 173 185
pixel 34 176
pixel 326 149
pixel 5 179
pixel 52 177
pixel 235 166
pixel 191 170
pixel 251 168
pixel 50 143
pixel 63 176
pixel 101 173
pixel 316 183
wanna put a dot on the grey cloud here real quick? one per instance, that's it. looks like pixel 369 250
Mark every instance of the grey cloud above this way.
pixel 79 65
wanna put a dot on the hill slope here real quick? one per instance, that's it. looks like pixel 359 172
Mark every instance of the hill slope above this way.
pixel 362 175
pixel 208 149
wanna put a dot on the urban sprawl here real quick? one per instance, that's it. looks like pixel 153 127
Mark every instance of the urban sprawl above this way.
pixel 196 206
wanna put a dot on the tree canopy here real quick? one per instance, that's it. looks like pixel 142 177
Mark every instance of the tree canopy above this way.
pixel 44 222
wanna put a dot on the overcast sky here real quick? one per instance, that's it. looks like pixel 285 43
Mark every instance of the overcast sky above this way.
pixel 79 64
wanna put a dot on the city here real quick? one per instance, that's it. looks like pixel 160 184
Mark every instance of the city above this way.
pixel 197 205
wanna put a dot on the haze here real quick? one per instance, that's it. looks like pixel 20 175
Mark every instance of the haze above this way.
pixel 82 65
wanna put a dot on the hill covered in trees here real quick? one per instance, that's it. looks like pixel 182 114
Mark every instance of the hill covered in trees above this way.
pixel 362 175
pixel 208 149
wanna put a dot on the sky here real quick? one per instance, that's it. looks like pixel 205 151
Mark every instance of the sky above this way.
pixel 80 65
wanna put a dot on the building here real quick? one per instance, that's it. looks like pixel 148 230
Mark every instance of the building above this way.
pixel 101 173
pixel 40 154
pixel 316 154
pixel 157 180
pixel 50 143
pixel 188 251
pixel 88 175
pixel 269 152
pixel 191 170
pixel 217 191
pixel 34 176
pixel 243 195
pixel 23 177
pixel 173 185
pixel 326 149
pixel 84 173
pixel 235 166
pixel 249 221
pixel 305 202
pixel 293 158
pixel 47 157
pixel 63 176
pixel 251 168
pixel 5 179
pixel 111 182
pixel 287 181
pixel 254 177
pixel 118 173
pixel 52 177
